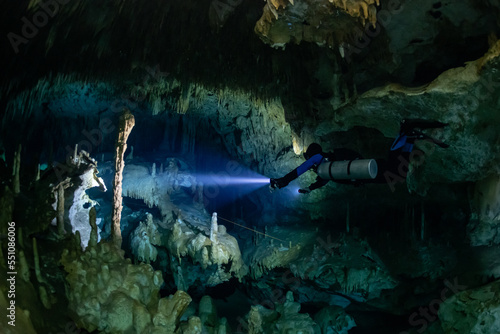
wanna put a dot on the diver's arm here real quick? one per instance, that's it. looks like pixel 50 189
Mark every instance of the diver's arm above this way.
pixel 304 167
pixel 285 180
pixel 308 164
pixel 318 184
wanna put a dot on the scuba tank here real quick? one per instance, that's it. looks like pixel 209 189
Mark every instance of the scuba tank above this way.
pixel 360 169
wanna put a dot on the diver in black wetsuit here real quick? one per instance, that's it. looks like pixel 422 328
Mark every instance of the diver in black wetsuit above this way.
pixel 400 151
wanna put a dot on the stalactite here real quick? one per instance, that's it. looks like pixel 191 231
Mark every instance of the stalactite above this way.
pixel 16 169
pixel 127 122
pixel 183 102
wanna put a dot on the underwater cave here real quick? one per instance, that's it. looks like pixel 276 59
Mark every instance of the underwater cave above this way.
pixel 236 166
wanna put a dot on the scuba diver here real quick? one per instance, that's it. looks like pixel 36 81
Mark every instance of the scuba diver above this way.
pixel 354 170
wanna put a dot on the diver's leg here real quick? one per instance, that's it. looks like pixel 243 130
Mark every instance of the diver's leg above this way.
pixel 395 167
pixel 409 124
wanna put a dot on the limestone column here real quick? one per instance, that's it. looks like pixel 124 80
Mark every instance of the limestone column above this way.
pixel 59 193
pixel 127 122
pixel 213 228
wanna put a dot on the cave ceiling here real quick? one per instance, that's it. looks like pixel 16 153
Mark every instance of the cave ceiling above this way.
pixel 244 44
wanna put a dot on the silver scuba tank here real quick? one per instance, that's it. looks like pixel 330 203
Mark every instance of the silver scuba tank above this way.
pixel 361 169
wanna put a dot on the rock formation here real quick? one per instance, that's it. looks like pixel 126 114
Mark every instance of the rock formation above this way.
pixel 127 122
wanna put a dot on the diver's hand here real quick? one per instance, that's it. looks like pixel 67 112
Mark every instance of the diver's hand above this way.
pixel 305 191
pixel 278 183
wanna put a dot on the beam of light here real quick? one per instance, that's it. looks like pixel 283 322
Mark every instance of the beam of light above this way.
pixel 248 180
pixel 224 187
pixel 223 179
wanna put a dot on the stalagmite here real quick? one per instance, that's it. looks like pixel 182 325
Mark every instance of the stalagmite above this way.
pixel 20 239
pixel 36 258
pixel 37 173
pixel 180 282
pixel 59 193
pixel 127 122
pixel 222 329
pixel 24 269
pixel 213 228
pixel 15 170
pixel 44 297
pixel 153 170
pixel 93 232
pixel 75 155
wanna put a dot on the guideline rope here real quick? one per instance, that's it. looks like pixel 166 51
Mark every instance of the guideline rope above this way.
pixel 265 234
